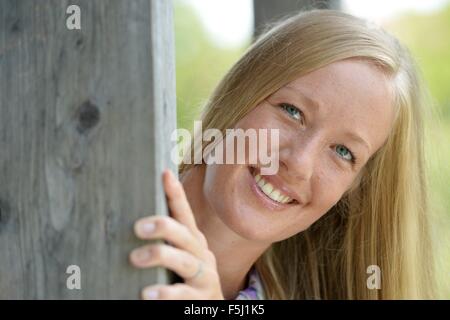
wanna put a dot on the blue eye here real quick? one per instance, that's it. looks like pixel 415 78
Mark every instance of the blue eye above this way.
pixel 345 153
pixel 293 111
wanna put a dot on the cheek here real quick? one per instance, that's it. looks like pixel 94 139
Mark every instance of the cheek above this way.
pixel 266 117
pixel 215 184
pixel 262 116
pixel 327 189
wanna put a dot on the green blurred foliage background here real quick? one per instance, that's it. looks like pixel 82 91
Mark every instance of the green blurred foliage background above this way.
pixel 428 38
pixel 200 64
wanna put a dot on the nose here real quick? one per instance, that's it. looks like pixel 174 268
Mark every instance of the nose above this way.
pixel 298 159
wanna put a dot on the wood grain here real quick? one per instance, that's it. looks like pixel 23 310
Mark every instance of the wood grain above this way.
pixel 85 123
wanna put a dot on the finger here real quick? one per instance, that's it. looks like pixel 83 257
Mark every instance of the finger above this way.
pixel 177 201
pixel 170 230
pixel 181 262
pixel 178 291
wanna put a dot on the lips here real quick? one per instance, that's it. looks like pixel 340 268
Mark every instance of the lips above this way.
pixel 272 191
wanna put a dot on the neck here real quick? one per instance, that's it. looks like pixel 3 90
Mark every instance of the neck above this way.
pixel 235 255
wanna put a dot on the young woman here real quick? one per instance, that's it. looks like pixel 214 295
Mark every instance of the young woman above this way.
pixel 349 200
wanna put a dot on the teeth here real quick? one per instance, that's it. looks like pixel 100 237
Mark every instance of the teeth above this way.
pixel 267 188
pixel 270 191
pixel 261 183
pixel 275 195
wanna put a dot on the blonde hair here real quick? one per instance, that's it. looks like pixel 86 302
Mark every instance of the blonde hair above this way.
pixel 383 219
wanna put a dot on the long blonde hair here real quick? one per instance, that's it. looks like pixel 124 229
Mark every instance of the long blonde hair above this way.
pixel 383 219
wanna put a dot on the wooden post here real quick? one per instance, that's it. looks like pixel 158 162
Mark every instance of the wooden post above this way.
pixel 85 123
pixel 266 11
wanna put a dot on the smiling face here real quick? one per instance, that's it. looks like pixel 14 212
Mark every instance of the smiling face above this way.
pixel 330 121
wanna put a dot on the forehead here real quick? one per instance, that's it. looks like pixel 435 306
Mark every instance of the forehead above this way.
pixel 350 94
pixel 348 82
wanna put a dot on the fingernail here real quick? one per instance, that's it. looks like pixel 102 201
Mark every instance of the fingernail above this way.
pixel 148 228
pixel 172 177
pixel 151 294
pixel 142 255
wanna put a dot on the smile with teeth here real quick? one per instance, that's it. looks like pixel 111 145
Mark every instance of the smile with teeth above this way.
pixel 269 190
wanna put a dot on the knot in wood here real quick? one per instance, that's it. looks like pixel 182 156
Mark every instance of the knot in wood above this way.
pixel 88 117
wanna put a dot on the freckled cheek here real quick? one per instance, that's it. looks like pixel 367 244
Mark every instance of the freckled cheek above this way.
pixel 266 120
pixel 327 189
pixel 219 185
pixel 278 130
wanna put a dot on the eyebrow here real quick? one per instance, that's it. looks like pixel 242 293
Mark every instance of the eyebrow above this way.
pixel 358 138
pixel 304 97
pixel 317 105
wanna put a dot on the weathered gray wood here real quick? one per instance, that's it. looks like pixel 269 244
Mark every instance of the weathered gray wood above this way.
pixel 85 123
pixel 267 11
